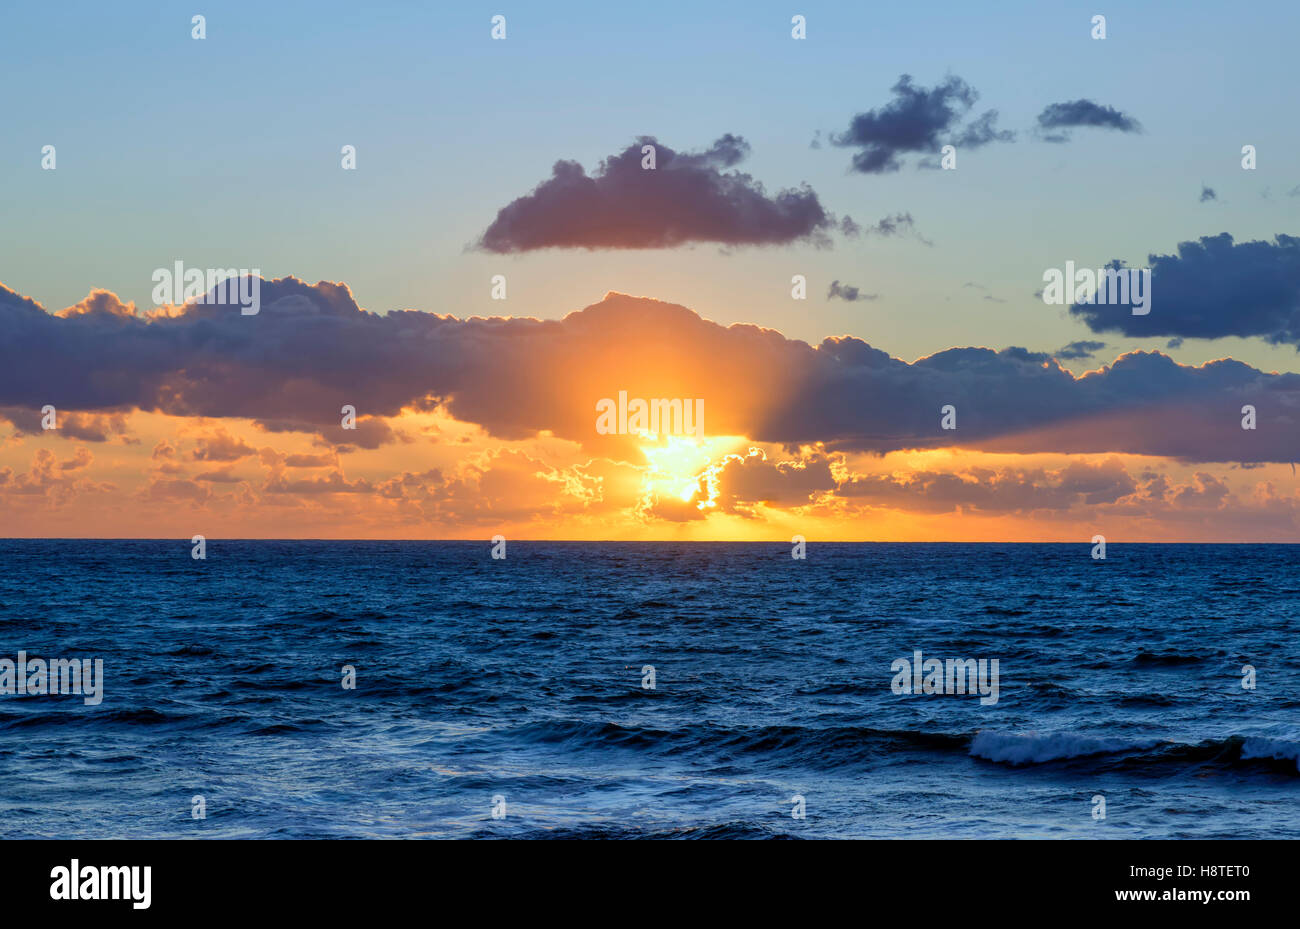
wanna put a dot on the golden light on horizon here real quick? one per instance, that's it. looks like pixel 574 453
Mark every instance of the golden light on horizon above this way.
pixel 683 467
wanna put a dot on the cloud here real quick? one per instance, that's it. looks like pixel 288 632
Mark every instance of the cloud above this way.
pixel 1202 505
pixel 311 461
pixel 499 485
pixel 69 425
pixel 1212 288
pixel 743 482
pixel 896 225
pixel 165 459
pixel 1001 490
pixel 848 292
pixel 686 198
pixel 917 120
pixel 50 479
pixel 813 482
pixel 220 476
pixel 1207 194
pixel 100 301
pixel 1057 118
pixel 221 446
pixel 311 350
pixel 367 432
pixel 80 459
pixel 1079 350
pixel 160 489
pixel 332 483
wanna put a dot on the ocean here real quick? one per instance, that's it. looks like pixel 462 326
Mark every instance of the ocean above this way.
pixel 667 690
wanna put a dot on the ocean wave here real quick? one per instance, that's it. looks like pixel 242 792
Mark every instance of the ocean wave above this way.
pixel 1150 756
pixel 1033 748
pixel 726 830
pixel 815 746
pixel 191 651
pixel 1172 658
pixel 831 747
pixel 1273 749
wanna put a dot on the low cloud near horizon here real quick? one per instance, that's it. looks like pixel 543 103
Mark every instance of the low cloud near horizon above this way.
pixel 312 349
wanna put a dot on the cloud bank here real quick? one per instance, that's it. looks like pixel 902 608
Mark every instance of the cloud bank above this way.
pixel 312 349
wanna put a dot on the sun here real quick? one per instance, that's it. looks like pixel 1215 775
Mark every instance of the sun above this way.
pixel 681 467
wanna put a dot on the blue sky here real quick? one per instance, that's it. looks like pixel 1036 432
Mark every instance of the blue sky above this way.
pixel 225 152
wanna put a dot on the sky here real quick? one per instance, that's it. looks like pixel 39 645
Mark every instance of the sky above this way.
pixel 517 163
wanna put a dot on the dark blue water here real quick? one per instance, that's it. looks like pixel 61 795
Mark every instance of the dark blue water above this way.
pixel 522 679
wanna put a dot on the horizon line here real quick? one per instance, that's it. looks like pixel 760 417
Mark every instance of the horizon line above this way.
pixel 1082 542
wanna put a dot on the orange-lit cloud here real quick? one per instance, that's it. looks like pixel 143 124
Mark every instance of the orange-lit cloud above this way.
pixel 210 421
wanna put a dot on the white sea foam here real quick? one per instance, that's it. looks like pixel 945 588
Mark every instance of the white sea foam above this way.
pixel 1258 747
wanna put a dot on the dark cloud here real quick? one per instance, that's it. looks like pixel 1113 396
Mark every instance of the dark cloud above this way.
pixel 898 224
pixel 1079 350
pixel 1002 490
pixel 1105 489
pixel 745 481
pixel 367 432
pixel 1057 118
pixel 917 120
pixel 70 425
pixel 210 351
pixel 982 131
pixel 687 197
pixel 1016 401
pixel 311 350
pixel 1213 288
pixel 1207 193
pixel 847 292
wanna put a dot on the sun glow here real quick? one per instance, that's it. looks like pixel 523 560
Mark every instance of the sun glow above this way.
pixel 681 468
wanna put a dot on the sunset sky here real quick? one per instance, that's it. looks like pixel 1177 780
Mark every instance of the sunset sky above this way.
pixel 776 157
